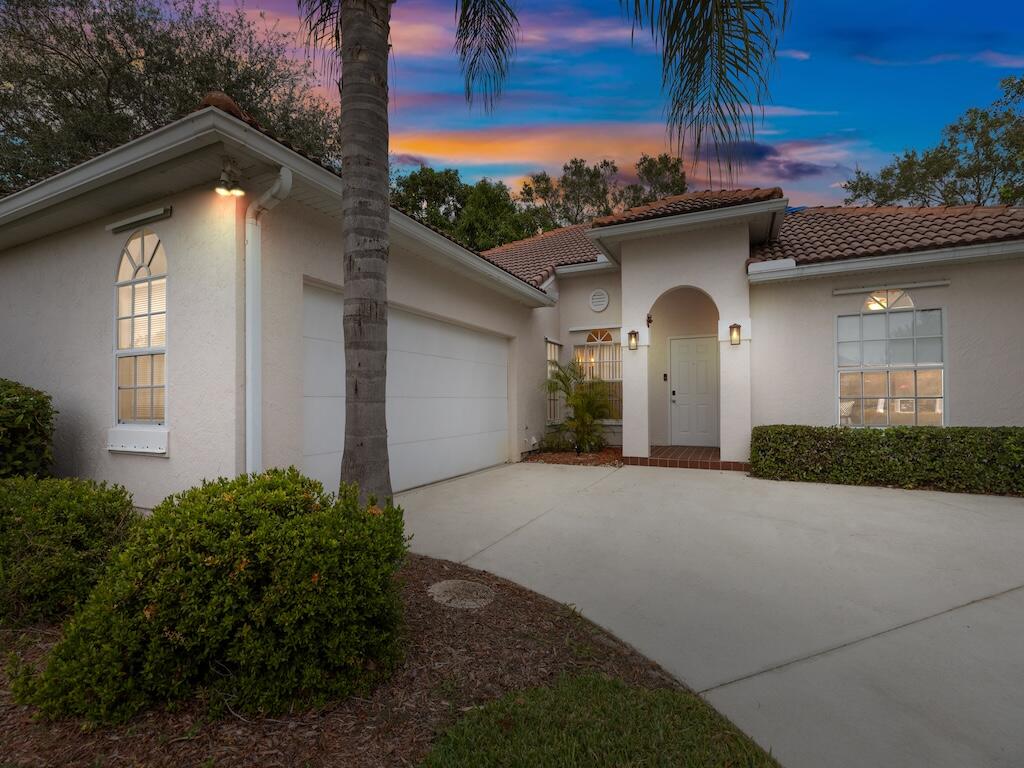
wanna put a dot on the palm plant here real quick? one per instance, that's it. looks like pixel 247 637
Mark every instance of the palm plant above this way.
pixel 716 59
pixel 588 401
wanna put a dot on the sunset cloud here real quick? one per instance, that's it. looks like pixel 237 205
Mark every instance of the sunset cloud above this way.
pixel 793 53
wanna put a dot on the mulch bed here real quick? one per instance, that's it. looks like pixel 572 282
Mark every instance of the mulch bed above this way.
pixel 609 457
pixel 456 659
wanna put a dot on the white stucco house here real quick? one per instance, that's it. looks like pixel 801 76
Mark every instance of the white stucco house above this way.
pixel 186 332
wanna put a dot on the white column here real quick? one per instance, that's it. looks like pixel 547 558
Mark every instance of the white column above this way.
pixel 735 392
pixel 635 418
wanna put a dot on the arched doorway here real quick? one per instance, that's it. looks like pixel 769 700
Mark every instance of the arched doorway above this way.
pixel 684 404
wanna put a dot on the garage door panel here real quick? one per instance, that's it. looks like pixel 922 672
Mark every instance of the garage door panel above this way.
pixel 323 369
pixel 323 428
pixel 413 419
pixel 415 464
pixel 447 395
pixel 413 375
pixel 322 315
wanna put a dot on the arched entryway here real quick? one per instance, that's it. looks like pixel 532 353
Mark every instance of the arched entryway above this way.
pixel 684 400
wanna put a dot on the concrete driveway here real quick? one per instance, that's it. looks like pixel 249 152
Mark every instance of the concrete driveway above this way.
pixel 838 626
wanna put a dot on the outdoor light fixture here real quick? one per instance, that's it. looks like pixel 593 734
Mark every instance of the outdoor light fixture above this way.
pixel 650 319
pixel 227 184
pixel 634 339
pixel 734 334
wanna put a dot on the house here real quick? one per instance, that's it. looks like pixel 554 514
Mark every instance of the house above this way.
pixel 180 298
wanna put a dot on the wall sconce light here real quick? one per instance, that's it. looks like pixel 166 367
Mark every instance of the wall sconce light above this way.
pixel 734 334
pixel 634 339
pixel 227 184
pixel 650 319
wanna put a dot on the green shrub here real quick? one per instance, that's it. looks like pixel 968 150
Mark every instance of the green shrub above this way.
pixel 56 537
pixel 556 441
pixel 959 459
pixel 263 590
pixel 588 401
pixel 591 721
pixel 26 430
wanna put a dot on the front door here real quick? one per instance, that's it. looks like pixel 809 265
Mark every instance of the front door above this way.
pixel 693 388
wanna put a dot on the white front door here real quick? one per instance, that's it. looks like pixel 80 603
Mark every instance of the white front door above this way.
pixel 693 389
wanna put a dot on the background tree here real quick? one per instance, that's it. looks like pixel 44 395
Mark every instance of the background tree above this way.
pixel 979 161
pixel 657 177
pixel 435 198
pixel 80 77
pixel 716 60
pixel 492 217
pixel 582 192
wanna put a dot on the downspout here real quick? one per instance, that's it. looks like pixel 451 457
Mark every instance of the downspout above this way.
pixel 254 318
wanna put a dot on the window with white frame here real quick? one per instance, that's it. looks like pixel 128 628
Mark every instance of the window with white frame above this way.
pixel 601 360
pixel 554 352
pixel 141 301
pixel 890 363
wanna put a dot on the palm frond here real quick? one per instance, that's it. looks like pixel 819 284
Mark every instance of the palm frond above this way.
pixel 321 21
pixel 485 40
pixel 717 57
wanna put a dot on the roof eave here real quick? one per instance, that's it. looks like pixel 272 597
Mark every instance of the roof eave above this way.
pixel 777 270
pixel 609 238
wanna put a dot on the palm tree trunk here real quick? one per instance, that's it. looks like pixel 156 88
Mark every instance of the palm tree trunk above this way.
pixel 364 202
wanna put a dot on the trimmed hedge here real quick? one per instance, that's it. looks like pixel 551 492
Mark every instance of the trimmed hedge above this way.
pixel 56 537
pixel 262 590
pixel 958 459
pixel 26 430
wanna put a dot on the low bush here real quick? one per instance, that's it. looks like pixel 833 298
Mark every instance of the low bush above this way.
pixel 959 459
pixel 591 721
pixel 56 537
pixel 26 430
pixel 261 591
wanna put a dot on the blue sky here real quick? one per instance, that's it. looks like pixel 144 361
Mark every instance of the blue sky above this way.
pixel 855 82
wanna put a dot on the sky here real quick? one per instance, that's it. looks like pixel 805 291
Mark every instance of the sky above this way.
pixel 855 82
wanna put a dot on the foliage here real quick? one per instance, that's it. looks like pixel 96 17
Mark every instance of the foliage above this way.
pixel 492 218
pixel 979 161
pixel 556 441
pixel 81 77
pixel 581 193
pixel 487 214
pixel 587 399
pixel 590 721
pixel 958 459
pixel 26 430
pixel 55 538
pixel 657 178
pixel 263 589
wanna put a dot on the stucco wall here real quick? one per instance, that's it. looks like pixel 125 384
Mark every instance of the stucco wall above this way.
pixel 574 305
pixel 301 244
pixel 56 316
pixel 794 348
pixel 711 259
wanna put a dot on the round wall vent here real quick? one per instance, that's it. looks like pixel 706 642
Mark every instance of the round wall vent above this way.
pixel 599 300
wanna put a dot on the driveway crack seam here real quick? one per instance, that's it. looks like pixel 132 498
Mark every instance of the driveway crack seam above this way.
pixel 847 644
pixel 516 530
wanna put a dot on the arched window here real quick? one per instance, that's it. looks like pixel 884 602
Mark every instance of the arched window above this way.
pixel 890 363
pixel 141 298
pixel 600 357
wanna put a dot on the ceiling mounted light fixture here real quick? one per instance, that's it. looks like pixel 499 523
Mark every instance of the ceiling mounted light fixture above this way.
pixel 227 184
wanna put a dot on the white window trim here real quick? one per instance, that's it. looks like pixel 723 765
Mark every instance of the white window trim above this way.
pixel 946 421
pixel 140 438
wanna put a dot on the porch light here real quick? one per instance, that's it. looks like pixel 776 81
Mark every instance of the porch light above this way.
pixel 634 339
pixel 734 334
pixel 227 184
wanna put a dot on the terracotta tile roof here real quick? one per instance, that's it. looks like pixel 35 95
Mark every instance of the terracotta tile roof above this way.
pixel 535 258
pixel 815 235
pixel 691 202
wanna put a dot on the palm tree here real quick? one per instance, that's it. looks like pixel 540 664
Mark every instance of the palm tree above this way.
pixel 716 59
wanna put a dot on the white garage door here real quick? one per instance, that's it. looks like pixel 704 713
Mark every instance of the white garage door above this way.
pixel 447 395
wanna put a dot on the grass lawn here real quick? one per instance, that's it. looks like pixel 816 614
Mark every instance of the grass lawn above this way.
pixel 592 721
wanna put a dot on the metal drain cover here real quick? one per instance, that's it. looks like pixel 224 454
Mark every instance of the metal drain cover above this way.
pixel 458 593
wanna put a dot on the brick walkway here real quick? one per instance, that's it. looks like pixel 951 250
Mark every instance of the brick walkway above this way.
pixel 685 457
